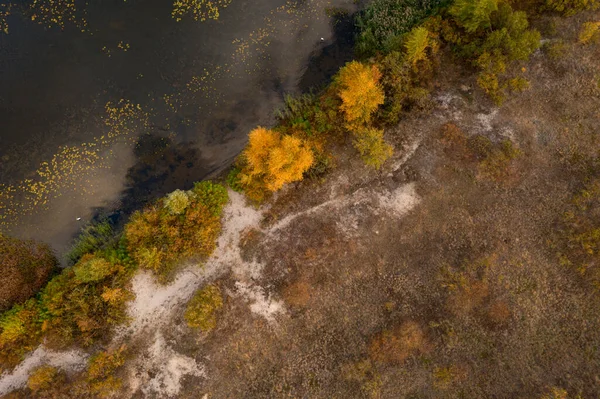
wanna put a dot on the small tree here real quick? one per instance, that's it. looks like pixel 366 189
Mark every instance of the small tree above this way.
pixel 418 41
pixel 372 147
pixel 360 92
pixel 274 160
pixel 201 310
pixel 474 15
pixel 590 31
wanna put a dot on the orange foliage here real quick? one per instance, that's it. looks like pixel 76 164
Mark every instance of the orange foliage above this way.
pixel 274 160
pixel 360 92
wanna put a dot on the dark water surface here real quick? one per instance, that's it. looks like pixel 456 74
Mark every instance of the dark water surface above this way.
pixel 139 104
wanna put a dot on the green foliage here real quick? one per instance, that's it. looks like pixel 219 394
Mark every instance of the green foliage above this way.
pixel 177 202
pixel 157 239
pixel 91 269
pixel 211 195
pixel 372 147
pixel 491 36
pixel 311 114
pixel 404 87
pixel 202 308
pixel 384 22
pixel 474 15
pixel 25 267
pixel 20 331
pixel 93 237
pixel 233 179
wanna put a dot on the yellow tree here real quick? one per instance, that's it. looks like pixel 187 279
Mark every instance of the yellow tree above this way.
pixel 360 92
pixel 274 159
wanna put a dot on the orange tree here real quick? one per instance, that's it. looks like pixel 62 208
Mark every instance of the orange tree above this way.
pixel 272 160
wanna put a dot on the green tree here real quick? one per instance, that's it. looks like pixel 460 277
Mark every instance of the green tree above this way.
pixel 474 15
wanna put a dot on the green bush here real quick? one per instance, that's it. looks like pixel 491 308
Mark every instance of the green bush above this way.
pixel 93 237
pixel 384 22
pixel 372 147
pixel 202 308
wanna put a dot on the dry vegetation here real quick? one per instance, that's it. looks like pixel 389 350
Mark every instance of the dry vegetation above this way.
pixel 483 284
pixel 486 289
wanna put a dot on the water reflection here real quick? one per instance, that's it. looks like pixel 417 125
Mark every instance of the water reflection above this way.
pixel 138 104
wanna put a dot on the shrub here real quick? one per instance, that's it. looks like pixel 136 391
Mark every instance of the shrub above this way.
pixel 158 238
pixel 42 378
pixel 403 85
pixel 101 369
pixel 309 114
pixel 372 147
pixel 273 159
pixel 93 237
pixel 474 15
pixel 360 92
pixel 20 332
pixel 383 23
pixel 590 31
pixel 397 345
pixel 77 305
pixel 580 238
pixel 25 266
pixel 201 310
pixel 570 7
pixel 418 41
pixel 497 163
pixel 92 268
pixel 177 202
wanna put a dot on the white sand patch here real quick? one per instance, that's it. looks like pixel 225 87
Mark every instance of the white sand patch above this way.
pixel 69 361
pixel 260 303
pixel 485 120
pixel 400 201
pixel 160 369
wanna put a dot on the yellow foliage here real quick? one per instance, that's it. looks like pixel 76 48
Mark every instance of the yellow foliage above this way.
pixel 590 31
pixel 360 92
pixel 42 378
pixel 417 42
pixel 274 159
pixel 201 310
pixel 101 369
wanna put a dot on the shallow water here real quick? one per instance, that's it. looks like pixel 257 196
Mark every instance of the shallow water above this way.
pixel 140 104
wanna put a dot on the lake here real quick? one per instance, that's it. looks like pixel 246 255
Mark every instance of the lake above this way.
pixel 123 103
